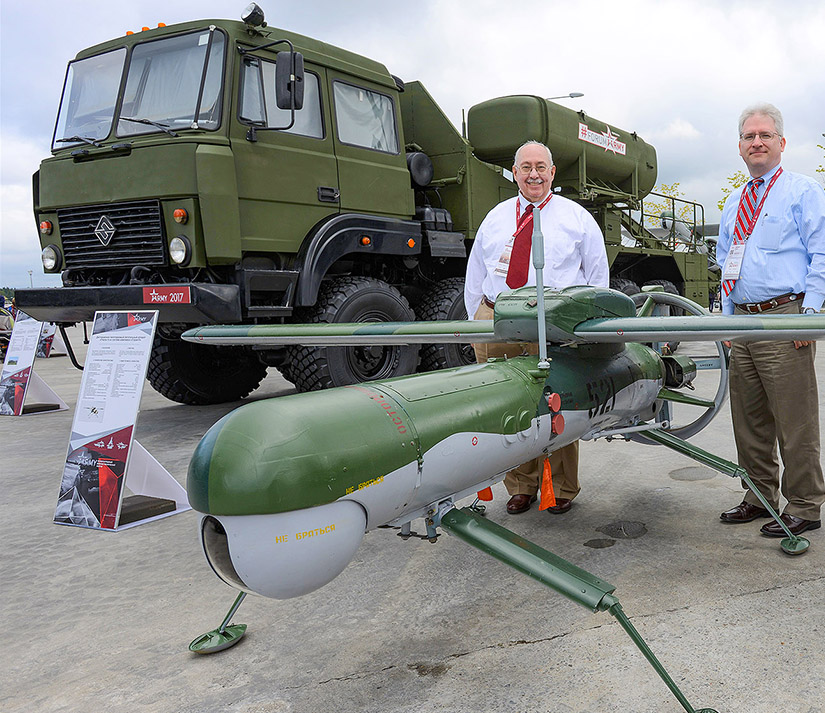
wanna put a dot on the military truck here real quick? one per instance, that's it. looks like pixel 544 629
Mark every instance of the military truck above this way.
pixel 229 172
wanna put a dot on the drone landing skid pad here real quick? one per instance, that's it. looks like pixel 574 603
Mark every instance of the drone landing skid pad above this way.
pixel 217 640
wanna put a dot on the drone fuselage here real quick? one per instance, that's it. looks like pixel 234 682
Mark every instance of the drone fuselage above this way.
pixel 288 486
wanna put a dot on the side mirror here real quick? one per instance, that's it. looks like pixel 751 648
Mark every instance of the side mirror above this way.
pixel 289 85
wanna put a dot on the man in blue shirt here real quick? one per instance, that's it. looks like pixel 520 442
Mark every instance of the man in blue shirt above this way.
pixel 772 248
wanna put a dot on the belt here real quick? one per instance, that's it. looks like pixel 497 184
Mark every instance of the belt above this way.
pixel 756 307
pixel 488 302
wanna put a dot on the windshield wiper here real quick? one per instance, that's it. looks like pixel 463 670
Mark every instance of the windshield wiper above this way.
pixel 157 124
pixel 85 139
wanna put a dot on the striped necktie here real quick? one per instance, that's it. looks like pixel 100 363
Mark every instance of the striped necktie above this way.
pixel 743 220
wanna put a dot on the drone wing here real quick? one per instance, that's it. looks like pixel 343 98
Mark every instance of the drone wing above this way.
pixel 703 328
pixel 346 334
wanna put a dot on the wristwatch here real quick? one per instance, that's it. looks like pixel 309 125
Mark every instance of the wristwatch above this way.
pixel 810 310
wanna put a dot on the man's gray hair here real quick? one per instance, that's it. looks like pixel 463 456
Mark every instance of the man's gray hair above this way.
pixel 763 109
pixel 532 143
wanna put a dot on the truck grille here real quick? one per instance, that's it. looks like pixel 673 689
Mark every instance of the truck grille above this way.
pixel 138 238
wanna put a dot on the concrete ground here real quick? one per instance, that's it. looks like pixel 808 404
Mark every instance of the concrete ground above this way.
pixel 99 621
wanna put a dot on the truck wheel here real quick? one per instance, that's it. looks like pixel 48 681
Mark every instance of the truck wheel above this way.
pixel 197 374
pixel 445 302
pixel 622 285
pixel 352 299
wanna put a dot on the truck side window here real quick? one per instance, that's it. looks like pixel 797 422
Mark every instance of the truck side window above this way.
pixel 365 118
pixel 259 75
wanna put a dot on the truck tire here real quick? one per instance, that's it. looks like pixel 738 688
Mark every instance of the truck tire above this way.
pixel 197 374
pixel 628 287
pixel 352 299
pixel 446 301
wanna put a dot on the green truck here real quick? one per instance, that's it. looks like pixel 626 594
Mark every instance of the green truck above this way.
pixel 228 172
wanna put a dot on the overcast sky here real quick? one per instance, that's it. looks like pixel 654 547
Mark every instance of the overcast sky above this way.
pixel 677 73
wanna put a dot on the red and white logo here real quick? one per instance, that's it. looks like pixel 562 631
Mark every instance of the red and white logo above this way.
pixel 607 140
pixel 166 295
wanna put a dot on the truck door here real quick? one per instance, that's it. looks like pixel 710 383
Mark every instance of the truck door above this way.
pixel 287 179
pixel 372 165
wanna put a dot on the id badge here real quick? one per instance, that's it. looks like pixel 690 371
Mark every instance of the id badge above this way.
pixel 734 262
pixel 504 261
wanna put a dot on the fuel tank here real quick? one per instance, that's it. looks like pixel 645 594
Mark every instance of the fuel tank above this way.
pixel 588 153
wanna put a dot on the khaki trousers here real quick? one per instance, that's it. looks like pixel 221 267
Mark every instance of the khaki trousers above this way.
pixel 773 397
pixel 564 463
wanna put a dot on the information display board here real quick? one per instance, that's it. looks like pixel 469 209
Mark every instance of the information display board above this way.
pixel 51 343
pixel 18 380
pixel 102 450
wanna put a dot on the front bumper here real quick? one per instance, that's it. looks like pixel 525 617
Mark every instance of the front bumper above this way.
pixel 198 303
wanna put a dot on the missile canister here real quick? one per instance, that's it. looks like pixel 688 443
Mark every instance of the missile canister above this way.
pixel 595 160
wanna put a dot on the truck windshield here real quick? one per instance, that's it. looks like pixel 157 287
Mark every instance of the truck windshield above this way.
pixel 89 97
pixel 167 87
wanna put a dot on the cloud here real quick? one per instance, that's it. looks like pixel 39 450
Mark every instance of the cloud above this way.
pixel 676 73
pixel 19 243
pixel 678 129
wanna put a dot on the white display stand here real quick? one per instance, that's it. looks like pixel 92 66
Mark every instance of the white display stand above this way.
pixel 146 476
pixel 22 392
pixel 103 460
pixel 51 342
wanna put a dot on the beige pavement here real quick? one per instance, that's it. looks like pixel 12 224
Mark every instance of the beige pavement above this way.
pixel 99 621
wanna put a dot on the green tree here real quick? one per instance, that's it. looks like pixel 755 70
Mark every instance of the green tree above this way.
pixel 821 169
pixel 655 205
pixel 735 180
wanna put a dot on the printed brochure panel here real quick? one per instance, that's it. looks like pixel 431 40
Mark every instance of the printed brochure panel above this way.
pixel 104 419
pixel 44 347
pixel 17 367
pixel 92 482
pixel 13 392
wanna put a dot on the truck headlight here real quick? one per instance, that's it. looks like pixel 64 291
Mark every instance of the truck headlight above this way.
pixel 180 250
pixel 51 258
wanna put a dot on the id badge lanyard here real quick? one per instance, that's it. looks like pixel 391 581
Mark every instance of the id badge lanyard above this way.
pixel 504 261
pixel 733 263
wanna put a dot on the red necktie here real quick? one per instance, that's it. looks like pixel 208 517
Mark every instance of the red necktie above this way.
pixel 520 254
pixel 743 222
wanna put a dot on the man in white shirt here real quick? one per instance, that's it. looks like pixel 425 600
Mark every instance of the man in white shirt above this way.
pixel 574 255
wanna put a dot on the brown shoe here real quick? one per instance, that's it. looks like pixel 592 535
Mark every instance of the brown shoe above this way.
pixel 795 524
pixel 744 512
pixel 520 503
pixel 562 505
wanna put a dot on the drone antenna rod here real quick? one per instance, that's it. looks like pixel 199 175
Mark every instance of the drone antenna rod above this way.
pixel 538 264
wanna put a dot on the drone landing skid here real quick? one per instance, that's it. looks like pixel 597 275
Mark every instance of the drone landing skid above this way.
pixel 560 575
pixel 792 544
pixel 224 636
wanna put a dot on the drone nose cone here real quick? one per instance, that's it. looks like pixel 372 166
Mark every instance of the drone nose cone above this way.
pixel 297 452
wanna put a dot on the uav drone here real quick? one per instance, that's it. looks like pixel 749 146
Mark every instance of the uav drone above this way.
pixel 288 486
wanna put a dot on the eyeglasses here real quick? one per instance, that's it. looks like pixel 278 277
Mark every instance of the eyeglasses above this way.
pixel 541 169
pixel 764 137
